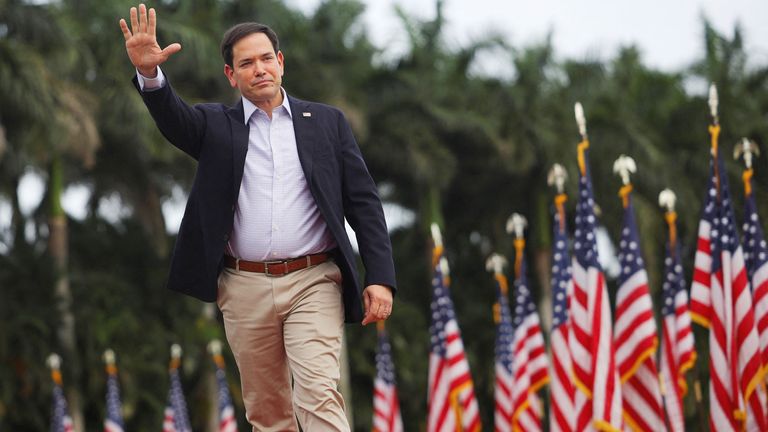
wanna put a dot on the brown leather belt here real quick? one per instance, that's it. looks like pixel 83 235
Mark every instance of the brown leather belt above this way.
pixel 276 268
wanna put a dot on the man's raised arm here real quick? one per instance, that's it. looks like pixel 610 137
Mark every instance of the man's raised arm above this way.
pixel 141 42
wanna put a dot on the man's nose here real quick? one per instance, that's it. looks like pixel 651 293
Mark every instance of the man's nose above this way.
pixel 259 69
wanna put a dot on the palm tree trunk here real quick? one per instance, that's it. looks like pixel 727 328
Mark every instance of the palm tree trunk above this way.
pixel 150 214
pixel 346 383
pixel 542 259
pixel 59 249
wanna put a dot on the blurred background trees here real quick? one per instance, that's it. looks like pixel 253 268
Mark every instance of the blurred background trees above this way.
pixel 445 144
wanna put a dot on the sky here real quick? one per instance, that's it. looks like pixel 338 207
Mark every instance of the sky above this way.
pixel 668 32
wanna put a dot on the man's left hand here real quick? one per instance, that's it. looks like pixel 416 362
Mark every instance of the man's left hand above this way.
pixel 377 300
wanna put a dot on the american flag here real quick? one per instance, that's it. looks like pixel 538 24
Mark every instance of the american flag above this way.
pixel 176 419
pixel 677 349
pixel 503 365
pixel 227 422
pixel 701 297
pixel 114 419
pixel 60 419
pixel 561 389
pixel 386 405
pixel 635 331
pixel 737 396
pixel 598 401
pixel 756 258
pixel 529 364
pixel 451 401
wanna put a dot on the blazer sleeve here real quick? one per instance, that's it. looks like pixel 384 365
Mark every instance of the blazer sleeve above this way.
pixel 363 210
pixel 181 124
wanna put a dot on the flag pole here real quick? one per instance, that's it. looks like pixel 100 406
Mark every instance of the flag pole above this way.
pixel 714 133
pixel 516 225
pixel 556 178
pixel 581 121
pixel 625 166
pixel 748 150
pixel 54 363
pixel 495 264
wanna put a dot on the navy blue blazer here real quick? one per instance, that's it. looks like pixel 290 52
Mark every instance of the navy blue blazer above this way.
pixel 217 137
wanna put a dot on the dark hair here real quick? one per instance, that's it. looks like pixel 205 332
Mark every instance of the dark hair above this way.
pixel 242 30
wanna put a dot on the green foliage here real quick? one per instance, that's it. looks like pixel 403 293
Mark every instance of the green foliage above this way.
pixel 453 147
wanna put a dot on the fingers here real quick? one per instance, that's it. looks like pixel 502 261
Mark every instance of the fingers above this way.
pixel 378 303
pixel 152 26
pixel 143 18
pixel 171 49
pixel 134 20
pixel 124 27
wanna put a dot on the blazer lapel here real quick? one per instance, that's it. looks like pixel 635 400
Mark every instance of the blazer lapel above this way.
pixel 240 132
pixel 303 127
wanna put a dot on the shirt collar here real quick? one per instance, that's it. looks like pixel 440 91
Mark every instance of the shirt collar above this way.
pixel 249 107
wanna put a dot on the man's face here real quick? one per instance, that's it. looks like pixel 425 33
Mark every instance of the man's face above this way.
pixel 257 71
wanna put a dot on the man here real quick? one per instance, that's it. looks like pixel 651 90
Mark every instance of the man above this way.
pixel 263 230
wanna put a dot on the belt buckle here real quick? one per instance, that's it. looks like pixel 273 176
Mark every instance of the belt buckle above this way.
pixel 269 263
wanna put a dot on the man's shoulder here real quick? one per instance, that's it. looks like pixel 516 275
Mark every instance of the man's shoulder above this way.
pixel 311 106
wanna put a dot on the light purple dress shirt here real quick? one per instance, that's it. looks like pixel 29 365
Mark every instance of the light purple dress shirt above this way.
pixel 276 216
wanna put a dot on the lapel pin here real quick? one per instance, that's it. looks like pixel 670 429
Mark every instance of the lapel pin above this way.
pixel 306 114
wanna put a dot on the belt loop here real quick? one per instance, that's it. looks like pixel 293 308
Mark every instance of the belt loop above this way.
pixel 237 264
pixel 309 261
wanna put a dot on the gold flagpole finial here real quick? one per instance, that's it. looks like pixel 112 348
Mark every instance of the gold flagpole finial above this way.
pixel 175 356
pixel 556 177
pixel 214 347
pixel 713 104
pixel 747 149
pixel 109 361
pixel 516 225
pixel 624 166
pixel 584 144
pixel 667 200
pixel 437 237
pixel 495 264
pixel 54 363
pixel 581 120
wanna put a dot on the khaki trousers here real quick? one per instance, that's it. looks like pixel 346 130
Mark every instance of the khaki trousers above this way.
pixel 282 327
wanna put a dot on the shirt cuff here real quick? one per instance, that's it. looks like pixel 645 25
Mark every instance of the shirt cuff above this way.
pixel 149 84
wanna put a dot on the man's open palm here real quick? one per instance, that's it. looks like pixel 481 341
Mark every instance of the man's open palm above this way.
pixel 141 43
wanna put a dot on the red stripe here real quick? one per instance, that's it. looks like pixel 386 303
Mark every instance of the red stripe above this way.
pixel 637 292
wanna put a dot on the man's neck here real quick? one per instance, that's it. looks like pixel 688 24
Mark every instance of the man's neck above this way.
pixel 268 106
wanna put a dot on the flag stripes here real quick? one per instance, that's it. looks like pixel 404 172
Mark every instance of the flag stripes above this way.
pixel 386 405
pixel 451 401
pixel 756 260
pixel 677 350
pixel 635 331
pixel 736 400
pixel 561 388
pixel 591 339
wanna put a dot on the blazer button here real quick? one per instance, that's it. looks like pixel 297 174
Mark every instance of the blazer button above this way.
pixel 225 237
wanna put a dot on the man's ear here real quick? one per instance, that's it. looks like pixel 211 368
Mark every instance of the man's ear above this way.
pixel 230 74
pixel 281 62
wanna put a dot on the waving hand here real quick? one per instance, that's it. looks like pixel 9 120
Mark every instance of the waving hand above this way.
pixel 141 43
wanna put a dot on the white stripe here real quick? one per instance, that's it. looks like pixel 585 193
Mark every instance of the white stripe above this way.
pixel 634 399
pixel 638 279
pixel 625 351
